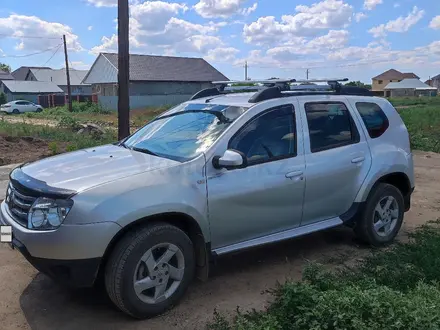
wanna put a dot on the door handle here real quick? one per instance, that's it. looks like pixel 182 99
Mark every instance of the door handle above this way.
pixel 358 160
pixel 294 174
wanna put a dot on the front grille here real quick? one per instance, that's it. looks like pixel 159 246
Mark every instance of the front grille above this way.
pixel 18 205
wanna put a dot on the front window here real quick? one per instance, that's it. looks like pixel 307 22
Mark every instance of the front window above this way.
pixel 184 132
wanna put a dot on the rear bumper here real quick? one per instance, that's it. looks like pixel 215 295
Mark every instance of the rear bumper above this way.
pixel 72 273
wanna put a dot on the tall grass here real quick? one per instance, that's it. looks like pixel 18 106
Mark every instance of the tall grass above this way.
pixel 57 134
pixel 407 101
pixel 423 123
pixel 394 289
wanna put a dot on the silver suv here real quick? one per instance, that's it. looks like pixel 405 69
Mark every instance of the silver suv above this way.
pixel 217 174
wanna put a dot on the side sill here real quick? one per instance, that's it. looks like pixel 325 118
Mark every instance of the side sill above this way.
pixel 277 237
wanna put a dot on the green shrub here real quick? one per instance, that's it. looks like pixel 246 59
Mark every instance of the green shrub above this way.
pixel 53 147
pixel 391 289
pixel 3 98
pixel 68 122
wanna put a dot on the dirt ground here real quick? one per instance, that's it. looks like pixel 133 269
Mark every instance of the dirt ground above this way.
pixel 31 300
pixel 29 148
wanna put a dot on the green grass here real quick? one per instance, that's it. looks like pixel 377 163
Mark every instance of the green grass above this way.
pixel 423 123
pixel 407 101
pixel 91 112
pixel 391 289
pixel 56 134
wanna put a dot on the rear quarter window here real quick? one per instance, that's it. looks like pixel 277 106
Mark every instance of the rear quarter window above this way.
pixel 373 117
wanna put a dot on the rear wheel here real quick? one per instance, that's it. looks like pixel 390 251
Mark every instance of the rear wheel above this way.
pixel 150 270
pixel 382 216
pixel 16 111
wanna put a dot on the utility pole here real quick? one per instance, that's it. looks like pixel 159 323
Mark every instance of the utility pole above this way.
pixel 245 70
pixel 123 70
pixel 69 90
pixel 307 73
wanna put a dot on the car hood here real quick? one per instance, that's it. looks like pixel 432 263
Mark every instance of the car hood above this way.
pixel 83 169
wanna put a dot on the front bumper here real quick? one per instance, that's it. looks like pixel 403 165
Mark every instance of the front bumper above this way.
pixel 72 273
pixel 71 254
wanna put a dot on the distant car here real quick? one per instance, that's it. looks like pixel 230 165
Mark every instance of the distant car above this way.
pixel 20 106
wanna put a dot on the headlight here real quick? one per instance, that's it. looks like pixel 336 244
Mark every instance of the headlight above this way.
pixel 47 214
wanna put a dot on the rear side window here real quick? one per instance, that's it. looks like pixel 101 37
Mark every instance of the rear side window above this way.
pixel 374 118
pixel 330 126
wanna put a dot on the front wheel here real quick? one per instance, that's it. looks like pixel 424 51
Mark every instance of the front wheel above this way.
pixel 382 216
pixel 150 270
pixel 16 111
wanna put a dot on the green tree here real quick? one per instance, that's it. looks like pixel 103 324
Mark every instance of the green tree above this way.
pixel 3 99
pixel 5 67
pixel 358 84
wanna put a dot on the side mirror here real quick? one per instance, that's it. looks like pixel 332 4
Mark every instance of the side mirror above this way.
pixel 231 159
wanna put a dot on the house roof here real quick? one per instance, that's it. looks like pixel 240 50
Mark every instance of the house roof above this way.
pixel 437 77
pixel 168 68
pixel 408 84
pixel 31 87
pixel 5 75
pixel 22 72
pixel 395 75
pixel 59 77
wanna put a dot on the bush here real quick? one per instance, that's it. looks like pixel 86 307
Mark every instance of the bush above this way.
pixel 53 148
pixel 3 98
pixel 68 122
pixel 394 289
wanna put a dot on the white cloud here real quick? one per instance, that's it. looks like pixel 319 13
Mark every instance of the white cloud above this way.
pixel 104 3
pixel 335 39
pixel 435 23
pixel 107 45
pixel 154 15
pixel 371 4
pixel 90 28
pixel 327 14
pixel 226 54
pixel 249 10
pixel 396 5
pixel 154 28
pixel 49 33
pixel 401 24
pixel 359 16
pixel 222 8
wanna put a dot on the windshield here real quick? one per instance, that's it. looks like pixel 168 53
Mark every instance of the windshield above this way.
pixel 184 132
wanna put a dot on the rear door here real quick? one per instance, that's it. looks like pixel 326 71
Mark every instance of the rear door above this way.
pixel 337 157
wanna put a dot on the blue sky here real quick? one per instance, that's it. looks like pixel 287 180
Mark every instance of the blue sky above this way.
pixel 357 39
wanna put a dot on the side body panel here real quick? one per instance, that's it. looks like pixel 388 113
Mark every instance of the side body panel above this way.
pixel 391 152
pixel 176 189
pixel 333 176
pixel 257 200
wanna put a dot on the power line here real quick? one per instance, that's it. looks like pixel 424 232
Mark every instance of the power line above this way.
pixel 32 54
pixel 27 37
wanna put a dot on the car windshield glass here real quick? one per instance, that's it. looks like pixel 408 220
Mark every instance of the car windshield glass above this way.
pixel 184 132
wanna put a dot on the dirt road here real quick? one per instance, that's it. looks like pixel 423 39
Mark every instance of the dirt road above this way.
pixel 30 300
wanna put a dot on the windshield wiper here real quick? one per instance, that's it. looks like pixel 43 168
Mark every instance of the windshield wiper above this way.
pixel 221 117
pixel 143 150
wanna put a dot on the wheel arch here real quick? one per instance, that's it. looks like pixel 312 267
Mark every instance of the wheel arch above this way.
pixel 183 221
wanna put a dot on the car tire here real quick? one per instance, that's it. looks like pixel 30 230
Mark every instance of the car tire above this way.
pixel 136 261
pixel 16 111
pixel 382 216
pixel 39 110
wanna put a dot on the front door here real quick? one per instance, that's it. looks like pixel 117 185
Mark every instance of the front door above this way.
pixel 267 196
pixel 337 159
